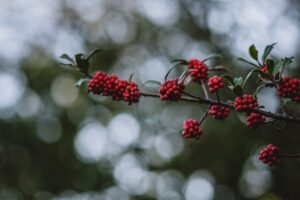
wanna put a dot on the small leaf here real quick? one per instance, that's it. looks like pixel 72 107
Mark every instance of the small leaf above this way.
pixel 253 52
pixel 238 90
pixel 184 62
pixel 238 81
pixel 248 76
pixel 218 68
pixel 267 51
pixel 270 66
pixel 81 81
pixel 228 80
pixel 173 65
pixel 152 82
pixel 248 62
pixel 213 56
pixel 67 57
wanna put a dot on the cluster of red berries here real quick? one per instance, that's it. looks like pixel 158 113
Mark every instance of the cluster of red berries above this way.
pixel 191 129
pixel 264 69
pixel 219 112
pixel 198 70
pixel 289 88
pixel 215 83
pixel 114 87
pixel 171 90
pixel 269 155
pixel 245 103
pixel 254 120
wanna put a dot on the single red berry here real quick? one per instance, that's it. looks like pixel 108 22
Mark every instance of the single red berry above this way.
pixel 289 88
pixel 171 90
pixel 191 129
pixel 97 84
pixel 269 155
pixel 215 83
pixel 131 93
pixel 254 120
pixel 219 112
pixel 245 103
pixel 198 70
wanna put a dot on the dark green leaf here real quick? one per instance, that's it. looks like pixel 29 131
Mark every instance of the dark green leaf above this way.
pixel 267 51
pixel 184 62
pixel 152 82
pixel 253 52
pixel 238 81
pixel 248 62
pixel 270 66
pixel 238 90
pixel 213 56
pixel 248 76
pixel 92 53
pixel 218 68
pixel 173 65
pixel 67 57
pixel 277 67
pixel 81 81
pixel 228 80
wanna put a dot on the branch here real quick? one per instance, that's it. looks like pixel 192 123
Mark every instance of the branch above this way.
pixel 213 102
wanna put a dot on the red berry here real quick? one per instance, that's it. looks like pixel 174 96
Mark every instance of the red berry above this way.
pixel 245 103
pixel 254 120
pixel 97 84
pixel 215 83
pixel 131 93
pixel 289 88
pixel 191 129
pixel 198 70
pixel 171 90
pixel 269 155
pixel 219 112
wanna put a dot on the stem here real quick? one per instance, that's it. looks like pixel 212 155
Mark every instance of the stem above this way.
pixel 212 102
pixel 289 155
pixel 204 116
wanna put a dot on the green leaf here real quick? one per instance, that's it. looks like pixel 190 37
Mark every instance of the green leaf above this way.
pixel 228 80
pixel 258 89
pixel 173 65
pixel 152 82
pixel 238 90
pixel 92 53
pixel 184 62
pixel 270 66
pixel 267 51
pixel 213 56
pixel 253 52
pixel 277 66
pixel 67 57
pixel 238 81
pixel 68 65
pixel 248 62
pixel 81 81
pixel 218 68
pixel 248 76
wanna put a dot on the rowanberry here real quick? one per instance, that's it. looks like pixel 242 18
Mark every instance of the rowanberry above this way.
pixel 219 112
pixel 191 129
pixel 215 83
pixel 269 155
pixel 198 70
pixel 289 88
pixel 97 84
pixel 245 103
pixel 171 90
pixel 254 120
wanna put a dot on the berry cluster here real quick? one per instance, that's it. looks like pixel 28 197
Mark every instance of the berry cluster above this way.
pixel 113 86
pixel 269 155
pixel 215 83
pixel 264 69
pixel 191 129
pixel 254 120
pixel 198 70
pixel 289 88
pixel 171 90
pixel 245 103
pixel 219 112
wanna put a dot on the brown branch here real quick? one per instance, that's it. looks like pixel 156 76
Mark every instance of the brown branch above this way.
pixel 213 102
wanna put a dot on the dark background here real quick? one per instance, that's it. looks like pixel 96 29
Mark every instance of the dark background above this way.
pixel 58 142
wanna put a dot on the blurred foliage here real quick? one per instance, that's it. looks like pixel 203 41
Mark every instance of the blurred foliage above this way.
pixel 49 144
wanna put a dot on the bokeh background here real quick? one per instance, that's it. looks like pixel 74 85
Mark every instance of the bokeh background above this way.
pixel 58 142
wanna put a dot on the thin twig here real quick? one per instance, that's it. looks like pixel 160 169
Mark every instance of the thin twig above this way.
pixel 204 116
